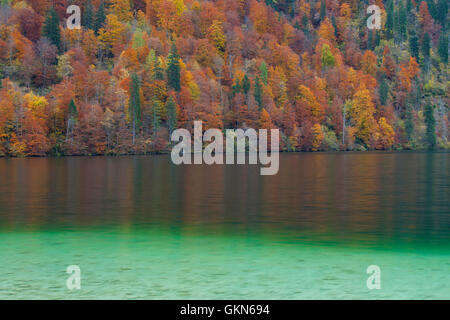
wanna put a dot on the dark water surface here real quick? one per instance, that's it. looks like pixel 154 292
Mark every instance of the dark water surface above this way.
pixel 141 227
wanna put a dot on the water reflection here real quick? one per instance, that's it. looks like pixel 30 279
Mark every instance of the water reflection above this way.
pixel 377 198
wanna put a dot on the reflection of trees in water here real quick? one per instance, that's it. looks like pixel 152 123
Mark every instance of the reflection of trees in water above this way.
pixel 372 198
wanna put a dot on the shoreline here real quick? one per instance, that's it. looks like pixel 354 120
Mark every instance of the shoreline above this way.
pixel 281 152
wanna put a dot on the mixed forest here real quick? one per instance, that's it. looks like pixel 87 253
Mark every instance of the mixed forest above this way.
pixel 138 69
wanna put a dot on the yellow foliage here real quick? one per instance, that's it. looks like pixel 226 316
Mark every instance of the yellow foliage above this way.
pixel 385 135
pixel 361 111
pixel 112 33
pixel 317 137
pixel 326 31
pixel 122 9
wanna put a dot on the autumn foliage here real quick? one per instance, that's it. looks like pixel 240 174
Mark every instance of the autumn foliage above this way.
pixel 138 69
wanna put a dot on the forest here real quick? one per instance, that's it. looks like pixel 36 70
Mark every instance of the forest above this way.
pixel 138 69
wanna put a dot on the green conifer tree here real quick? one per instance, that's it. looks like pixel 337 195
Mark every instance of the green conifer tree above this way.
pixel 171 115
pixel 245 85
pixel 50 30
pixel 156 112
pixel 100 17
pixel 88 16
pixel 134 106
pixel 383 92
pixel 389 19
pixel 430 122
pixel 443 48
pixel 173 69
pixel 323 9
pixel 264 73
pixel 258 93
pixel 414 45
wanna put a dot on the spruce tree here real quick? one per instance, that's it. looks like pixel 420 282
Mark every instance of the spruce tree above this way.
pixel 426 46
pixel 414 45
pixel 442 10
pixel 258 93
pixel 334 23
pixel 100 18
pixel 377 39
pixel 171 115
pixel 73 112
pixel 158 72
pixel 245 84
pixel 50 30
pixel 402 21
pixel 134 106
pixel 383 92
pixel 390 19
pixel 443 48
pixel 323 9
pixel 430 122
pixel 370 40
pixel 173 69
pixel 408 6
pixel 264 73
pixel 88 16
pixel 432 8
pixel 236 88
pixel 156 110
pixel 305 23
pixel 409 123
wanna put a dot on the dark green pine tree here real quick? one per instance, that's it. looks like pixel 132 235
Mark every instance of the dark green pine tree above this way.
pixel 171 115
pixel 236 88
pixel 402 21
pixel 264 72
pixel 245 85
pixel 426 46
pixel 88 16
pixel 100 18
pixel 414 45
pixel 305 23
pixel 432 9
pixel 73 112
pixel 50 30
pixel 431 126
pixel 333 22
pixel 370 40
pixel 156 110
pixel 377 39
pixel 409 123
pixel 442 10
pixel 383 92
pixel 323 9
pixel 134 106
pixel 408 6
pixel 173 69
pixel 443 48
pixel 158 72
pixel 258 93
pixel 390 19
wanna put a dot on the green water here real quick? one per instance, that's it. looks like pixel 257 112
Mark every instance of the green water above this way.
pixel 141 228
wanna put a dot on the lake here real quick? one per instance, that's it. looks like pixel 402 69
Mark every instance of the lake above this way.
pixel 143 228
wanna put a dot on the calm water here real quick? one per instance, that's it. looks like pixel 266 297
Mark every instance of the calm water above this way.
pixel 140 227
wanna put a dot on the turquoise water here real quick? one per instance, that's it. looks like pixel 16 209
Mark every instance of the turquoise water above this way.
pixel 140 228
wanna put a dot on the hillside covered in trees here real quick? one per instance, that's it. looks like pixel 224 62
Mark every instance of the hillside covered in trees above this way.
pixel 137 69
